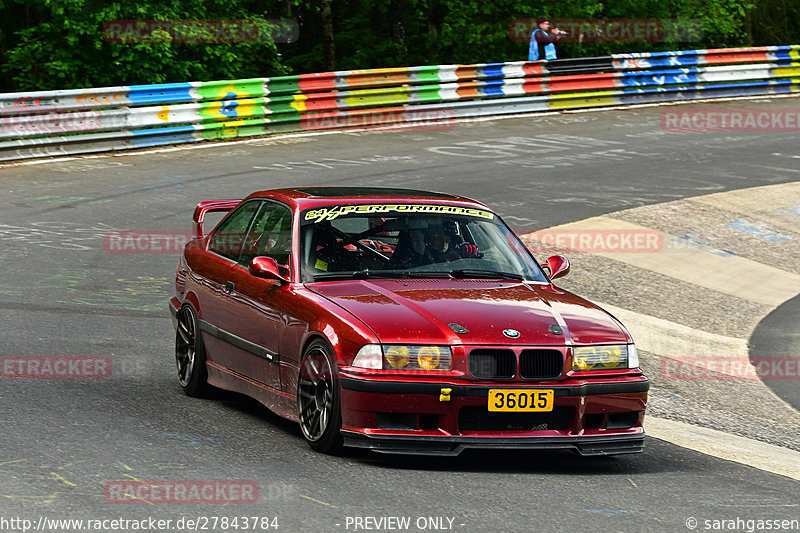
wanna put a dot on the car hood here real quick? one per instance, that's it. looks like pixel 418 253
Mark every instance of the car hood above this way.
pixel 422 311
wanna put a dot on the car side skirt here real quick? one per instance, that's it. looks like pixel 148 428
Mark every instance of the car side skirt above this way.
pixel 280 403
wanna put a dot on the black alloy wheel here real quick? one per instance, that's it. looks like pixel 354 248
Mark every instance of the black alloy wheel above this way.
pixel 318 399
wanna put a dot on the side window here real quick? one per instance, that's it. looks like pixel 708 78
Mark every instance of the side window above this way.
pixel 270 235
pixel 228 237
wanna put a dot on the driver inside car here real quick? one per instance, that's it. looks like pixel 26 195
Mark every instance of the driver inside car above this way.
pixel 439 245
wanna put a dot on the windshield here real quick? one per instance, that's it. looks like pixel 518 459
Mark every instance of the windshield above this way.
pixel 388 241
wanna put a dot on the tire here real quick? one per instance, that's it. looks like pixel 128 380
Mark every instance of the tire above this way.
pixel 319 399
pixel 190 354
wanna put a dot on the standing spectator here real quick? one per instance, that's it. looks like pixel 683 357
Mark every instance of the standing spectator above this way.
pixel 543 41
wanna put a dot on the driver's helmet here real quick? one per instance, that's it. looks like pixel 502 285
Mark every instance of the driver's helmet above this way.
pixel 442 227
pixel 440 232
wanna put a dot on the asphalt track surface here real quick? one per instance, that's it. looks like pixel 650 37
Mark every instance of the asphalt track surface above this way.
pixel 62 293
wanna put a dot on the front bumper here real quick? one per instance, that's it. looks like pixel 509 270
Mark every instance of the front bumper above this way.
pixel 452 446
pixel 482 391
pixel 590 417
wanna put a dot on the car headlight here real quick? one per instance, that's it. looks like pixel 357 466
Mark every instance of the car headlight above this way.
pixel 397 356
pixel 369 356
pixel 609 357
pixel 404 357
pixel 633 356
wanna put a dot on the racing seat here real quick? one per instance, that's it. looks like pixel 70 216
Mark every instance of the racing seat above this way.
pixel 410 249
pixel 321 251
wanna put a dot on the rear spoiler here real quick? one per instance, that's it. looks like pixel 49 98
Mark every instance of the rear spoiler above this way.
pixel 210 206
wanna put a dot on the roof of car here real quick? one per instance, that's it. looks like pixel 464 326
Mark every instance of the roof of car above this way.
pixel 305 197
pixel 329 192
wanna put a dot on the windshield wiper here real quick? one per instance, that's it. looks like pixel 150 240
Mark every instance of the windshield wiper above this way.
pixel 379 274
pixel 356 274
pixel 488 274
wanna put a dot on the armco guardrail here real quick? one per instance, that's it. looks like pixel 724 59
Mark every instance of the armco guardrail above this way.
pixel 53 123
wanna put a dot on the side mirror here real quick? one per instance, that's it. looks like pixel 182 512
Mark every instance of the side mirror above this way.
pixel 267 268
pixel 557 266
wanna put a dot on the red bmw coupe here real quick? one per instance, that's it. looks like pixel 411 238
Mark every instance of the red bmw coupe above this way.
pixel 401 321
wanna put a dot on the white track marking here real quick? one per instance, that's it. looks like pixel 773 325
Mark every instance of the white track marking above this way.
pixel 741 450
pixel 733 275
pixel 679 342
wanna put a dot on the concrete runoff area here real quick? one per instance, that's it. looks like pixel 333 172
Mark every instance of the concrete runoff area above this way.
pixel 748 452
pixel 702 370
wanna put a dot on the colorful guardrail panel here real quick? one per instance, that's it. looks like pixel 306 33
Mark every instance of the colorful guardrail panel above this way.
pixel 68 122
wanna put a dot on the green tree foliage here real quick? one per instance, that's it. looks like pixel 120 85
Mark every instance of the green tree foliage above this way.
pixel 385 33
pixel 697 23
pixel 58 44
pixel 772 22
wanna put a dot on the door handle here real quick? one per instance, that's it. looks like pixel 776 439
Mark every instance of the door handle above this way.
pixel 228 287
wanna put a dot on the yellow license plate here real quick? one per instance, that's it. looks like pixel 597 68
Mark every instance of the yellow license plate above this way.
pixel 520 400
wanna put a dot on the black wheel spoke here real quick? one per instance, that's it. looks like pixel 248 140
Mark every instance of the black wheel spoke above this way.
pixel 314 425
pixel 314 372
pixel 308 409
pixel 323 419
pixel 306 394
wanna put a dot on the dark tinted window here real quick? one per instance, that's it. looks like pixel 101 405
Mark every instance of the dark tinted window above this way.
pixel 400 239
pixel 270 234
pixel 228 237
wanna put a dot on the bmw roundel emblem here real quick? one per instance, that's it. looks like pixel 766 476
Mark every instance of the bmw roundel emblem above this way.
pixel 511 333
